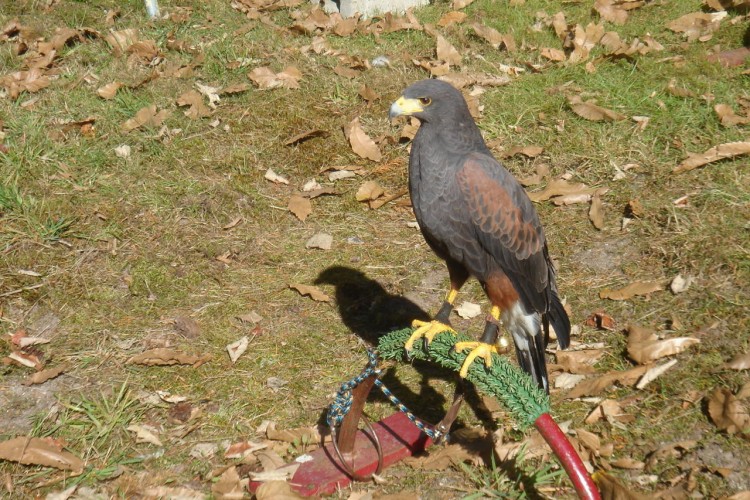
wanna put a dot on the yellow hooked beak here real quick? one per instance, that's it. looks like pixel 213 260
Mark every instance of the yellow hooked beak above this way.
pixel 405 107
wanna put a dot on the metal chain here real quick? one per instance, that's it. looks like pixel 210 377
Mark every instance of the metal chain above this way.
pixel 342 403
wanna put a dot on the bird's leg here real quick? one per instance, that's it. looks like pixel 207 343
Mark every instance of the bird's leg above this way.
pixel 444 426
pixel 441 323
pixel 486 346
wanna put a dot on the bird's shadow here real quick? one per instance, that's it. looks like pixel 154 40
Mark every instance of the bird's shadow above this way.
pixel 370 311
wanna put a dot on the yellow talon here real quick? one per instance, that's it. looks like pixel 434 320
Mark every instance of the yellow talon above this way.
pixel 478 350
pixel 426 329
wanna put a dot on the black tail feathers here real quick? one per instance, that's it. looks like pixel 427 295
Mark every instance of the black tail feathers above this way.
pixel 532 361
pixel 559 320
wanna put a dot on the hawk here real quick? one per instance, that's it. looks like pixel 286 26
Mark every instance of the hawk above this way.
pixel 477 218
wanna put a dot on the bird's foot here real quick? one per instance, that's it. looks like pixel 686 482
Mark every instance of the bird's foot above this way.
pixel 478 350
pixel 426 330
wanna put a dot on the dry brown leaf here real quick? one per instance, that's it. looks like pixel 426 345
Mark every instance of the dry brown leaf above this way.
pixel 264 78
pixel 542 171
pixel 584 40
pixel 39 451
pixel 490 35
pixel 243 449
pixel 447 52
pixel 305 136
pixel 579 361
pixel 720 152
pixel 109 90
pixel 697 25
pixel 194 99
pixel 367 93
pixel 613 489
pixel 276 490
pixel 370 190
pixel 616 11
pixel 609 410
pixel 597 385
pixel 300 206
pixel 452 17
pixel 237 348
pixel 345 71
pixel 145 434
pixel 165 357
pixel 146 116
pixel 30 81
pixel 601 320
pixel 589 440
pixel 121 40
pixel 727 412
pixel 654 372
pixel 739 362
pixel 187 327
pixel 230 486
pixel 561 187
pixel 143 52
pixel 314 292
pixel 528 151
pixel 173 493
pixel 632 290
pixel 272 176
pixel 556 55
pixel 311 434
pixel 628 463
pixel 360 142
pixel 44 375
pixel 645 347
pixel 590 111
pixel 728 117
pixel 344 26
pixel 596 211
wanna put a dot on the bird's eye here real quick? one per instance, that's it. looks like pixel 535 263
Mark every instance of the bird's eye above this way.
pixel 425 100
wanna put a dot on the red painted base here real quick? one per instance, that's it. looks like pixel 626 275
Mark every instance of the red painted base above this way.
pixel 323 475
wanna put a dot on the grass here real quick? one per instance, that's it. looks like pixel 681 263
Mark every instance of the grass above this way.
pixel 125 245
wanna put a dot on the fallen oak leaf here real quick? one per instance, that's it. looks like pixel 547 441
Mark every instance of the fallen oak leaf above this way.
pixel 312 291
pixel 447 52
pixel 194 99
pixel 300 206
pixel 360 142
pixel 274 177
pixel 145 434
pixel 39 451
pixel 654 372
pixel 146 116
pixel 163 356
pixel 717 153
pixel 597 385
pixel 727 412
pixel 305 136
pixel 265 78
pixel 596 211
pixel 368 191
pixel 632 290
pixel 109 90
pixel 739 362
pixel 237 348
pixel 644 346
pixel 44 375
pixel 591 111
pixel 728 117
pixel 561 187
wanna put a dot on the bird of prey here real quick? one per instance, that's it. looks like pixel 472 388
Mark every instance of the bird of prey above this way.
pixel 477 218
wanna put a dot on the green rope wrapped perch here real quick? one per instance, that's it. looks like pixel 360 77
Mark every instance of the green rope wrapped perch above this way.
pixel 505 382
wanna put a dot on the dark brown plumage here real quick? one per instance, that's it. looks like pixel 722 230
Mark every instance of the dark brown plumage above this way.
pixel 477 217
